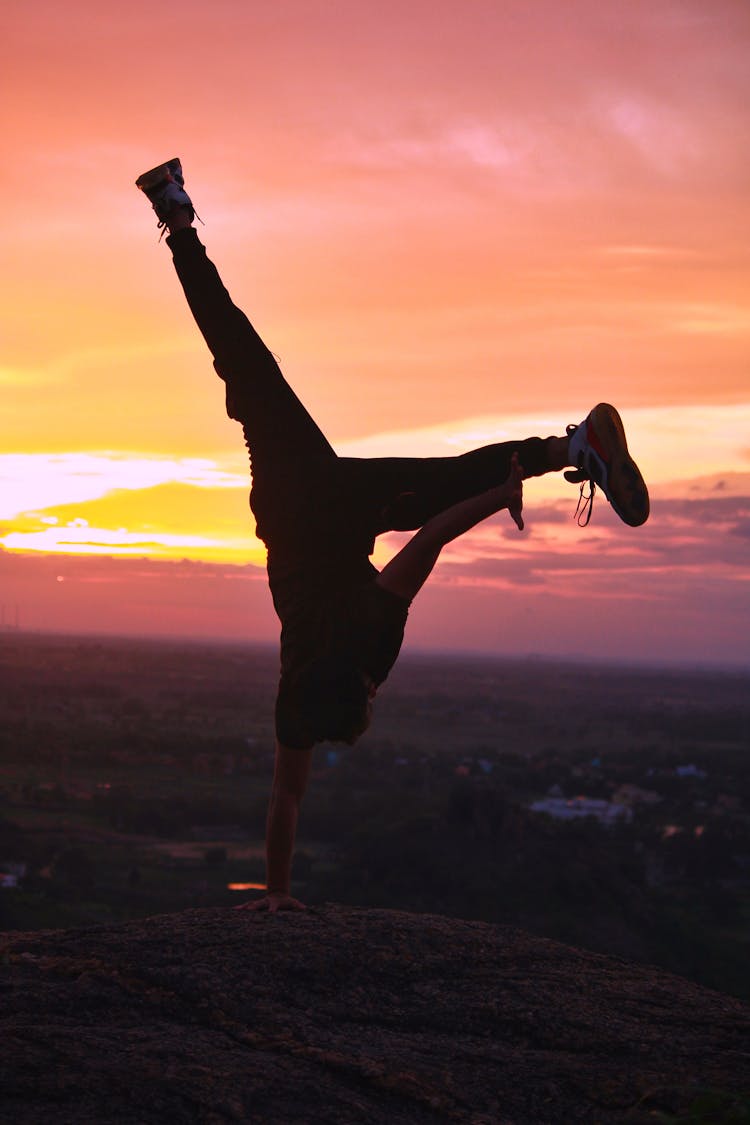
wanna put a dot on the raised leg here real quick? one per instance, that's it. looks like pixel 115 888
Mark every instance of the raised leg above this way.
pixel 402 493
pixel 289 453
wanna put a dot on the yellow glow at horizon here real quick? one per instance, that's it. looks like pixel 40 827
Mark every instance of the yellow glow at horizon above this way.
pixel 169 508
pixel 80 539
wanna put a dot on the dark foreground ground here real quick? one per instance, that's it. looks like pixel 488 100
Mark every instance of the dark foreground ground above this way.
pixel 346 1015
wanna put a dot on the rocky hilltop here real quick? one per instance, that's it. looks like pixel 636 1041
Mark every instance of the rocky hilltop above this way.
pixel 343 1015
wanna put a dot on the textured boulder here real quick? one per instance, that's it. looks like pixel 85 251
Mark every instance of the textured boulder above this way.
pixel 343 1015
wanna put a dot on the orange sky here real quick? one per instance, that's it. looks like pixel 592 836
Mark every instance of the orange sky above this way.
pixel 453 223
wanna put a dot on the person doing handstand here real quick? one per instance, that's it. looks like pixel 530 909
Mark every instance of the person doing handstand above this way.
pixel 342 621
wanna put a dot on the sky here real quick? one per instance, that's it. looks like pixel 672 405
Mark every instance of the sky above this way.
pixel 453 224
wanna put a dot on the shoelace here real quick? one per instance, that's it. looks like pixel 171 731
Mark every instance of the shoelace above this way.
pixel 585 505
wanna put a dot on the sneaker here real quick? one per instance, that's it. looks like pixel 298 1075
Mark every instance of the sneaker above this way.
pixel 599 449
pixel 164 186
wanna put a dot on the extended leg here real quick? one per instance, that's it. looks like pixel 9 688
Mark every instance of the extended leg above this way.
pixel 289 454
pixel 258 396
pixel 403 493
pixel 291 459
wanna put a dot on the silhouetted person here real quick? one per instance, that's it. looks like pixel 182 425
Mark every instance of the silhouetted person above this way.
pixel 342 621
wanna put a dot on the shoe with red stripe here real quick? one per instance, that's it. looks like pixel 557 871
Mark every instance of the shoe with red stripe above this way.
pixel 599 449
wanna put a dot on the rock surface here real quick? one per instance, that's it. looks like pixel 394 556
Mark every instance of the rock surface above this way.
pixel 343 1015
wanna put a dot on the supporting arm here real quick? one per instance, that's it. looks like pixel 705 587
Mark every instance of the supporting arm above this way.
pixel 290 781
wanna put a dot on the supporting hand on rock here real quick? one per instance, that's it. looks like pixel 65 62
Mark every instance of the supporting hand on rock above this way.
pixel 273 902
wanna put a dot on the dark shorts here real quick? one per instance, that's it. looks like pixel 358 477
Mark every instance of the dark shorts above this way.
pixel 363 626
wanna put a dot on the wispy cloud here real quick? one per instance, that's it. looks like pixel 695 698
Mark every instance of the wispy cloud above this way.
pixel 711 319
pixel 40 481
pixel 665 137
pixel 80 539
pixel 471 143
